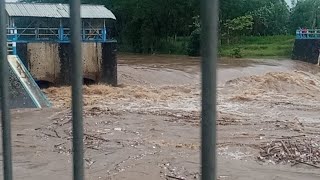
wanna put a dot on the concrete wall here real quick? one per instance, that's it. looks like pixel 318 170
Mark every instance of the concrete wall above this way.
pixel 18 96
pixel 306 50
pixel 49 61
pixel 43 61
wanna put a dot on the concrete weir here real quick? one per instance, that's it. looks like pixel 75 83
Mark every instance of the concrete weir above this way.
pixel 23 90
pixel 50 61
pixel 306 50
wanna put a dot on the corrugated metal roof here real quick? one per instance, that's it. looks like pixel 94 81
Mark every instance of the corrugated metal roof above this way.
pixel 56 10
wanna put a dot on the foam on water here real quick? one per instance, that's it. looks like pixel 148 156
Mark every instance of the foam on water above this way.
pixel 294 84
pixel 133 98
pixel 248 96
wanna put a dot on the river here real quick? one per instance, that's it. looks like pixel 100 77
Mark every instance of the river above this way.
pixel 148 127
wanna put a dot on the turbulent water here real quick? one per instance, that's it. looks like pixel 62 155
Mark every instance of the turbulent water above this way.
pixel 163 83
pixel 259 101
pixel 133 97
pixel 148 126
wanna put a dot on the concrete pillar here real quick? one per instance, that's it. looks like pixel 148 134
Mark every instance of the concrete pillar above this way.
pixel 109 63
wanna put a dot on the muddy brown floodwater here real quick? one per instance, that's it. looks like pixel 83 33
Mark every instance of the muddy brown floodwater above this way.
pixel 148 127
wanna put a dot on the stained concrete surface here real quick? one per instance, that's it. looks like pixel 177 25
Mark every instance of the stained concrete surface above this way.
pixel 43 61
pixel 19 97
pixel 306 50
pixel 23 91
pixel 50 61
pixel 149 129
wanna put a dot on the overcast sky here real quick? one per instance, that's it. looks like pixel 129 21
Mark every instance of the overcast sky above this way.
pixel 289 2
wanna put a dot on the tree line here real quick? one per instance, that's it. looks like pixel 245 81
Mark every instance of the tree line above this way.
pixel 148 26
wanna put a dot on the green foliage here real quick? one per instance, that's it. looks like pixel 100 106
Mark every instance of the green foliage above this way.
pixel 306 13
pixel 149 26
pixel 237 27
pixel 144 24
pixel 194 43
pixel 271 19
pixel 236 52
pixel 174 46
pixel 263 46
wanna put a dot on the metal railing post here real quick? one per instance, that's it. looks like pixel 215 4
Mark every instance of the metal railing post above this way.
pixel 77 120
pixel 209 47
pixel 60 32
pixel 14 41
pixel 104 34
pixel 5 111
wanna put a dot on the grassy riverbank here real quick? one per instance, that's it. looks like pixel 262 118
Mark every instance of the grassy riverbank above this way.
pixel 253 46
pixel 264 46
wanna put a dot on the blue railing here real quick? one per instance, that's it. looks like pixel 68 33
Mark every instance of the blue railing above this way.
pixel 55 34
pixel 308 34
pixel 16 35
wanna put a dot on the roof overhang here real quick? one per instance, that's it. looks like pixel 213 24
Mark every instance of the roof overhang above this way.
pixel 57 11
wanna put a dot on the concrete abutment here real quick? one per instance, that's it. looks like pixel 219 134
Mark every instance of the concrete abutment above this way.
pixel 51 62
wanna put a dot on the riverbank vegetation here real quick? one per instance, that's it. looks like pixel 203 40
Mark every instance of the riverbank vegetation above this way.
pixel 259 46
pixel 247 27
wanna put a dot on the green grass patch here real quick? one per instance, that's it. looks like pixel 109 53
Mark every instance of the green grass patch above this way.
pixel 249 46
pixel 176 46
pixel 259 46
pixel 173 46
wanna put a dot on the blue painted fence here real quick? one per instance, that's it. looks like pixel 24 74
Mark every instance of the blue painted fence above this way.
pixel 308 34
pixel 55 34
pixel 62 35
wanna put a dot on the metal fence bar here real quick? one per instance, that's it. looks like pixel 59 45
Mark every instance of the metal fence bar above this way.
pixel 5 111
pixel 77 120
pixel 209 47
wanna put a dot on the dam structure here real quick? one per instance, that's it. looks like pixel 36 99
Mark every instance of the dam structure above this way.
pixel 307 46
pixel 39 35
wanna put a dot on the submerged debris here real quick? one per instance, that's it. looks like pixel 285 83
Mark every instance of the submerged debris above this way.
pixel 291 150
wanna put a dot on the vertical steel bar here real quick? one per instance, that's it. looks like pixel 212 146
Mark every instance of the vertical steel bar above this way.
pixel 209 49
pixel 5 111
pixel 77 123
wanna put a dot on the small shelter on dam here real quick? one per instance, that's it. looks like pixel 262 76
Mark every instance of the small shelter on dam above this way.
pixel 39 33
pixel 50 22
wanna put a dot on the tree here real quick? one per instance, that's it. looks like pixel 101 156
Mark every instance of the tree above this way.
pixel 305 14
pixel 272 19
pixel 146 26
pixel 194 42
pixel 238 26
